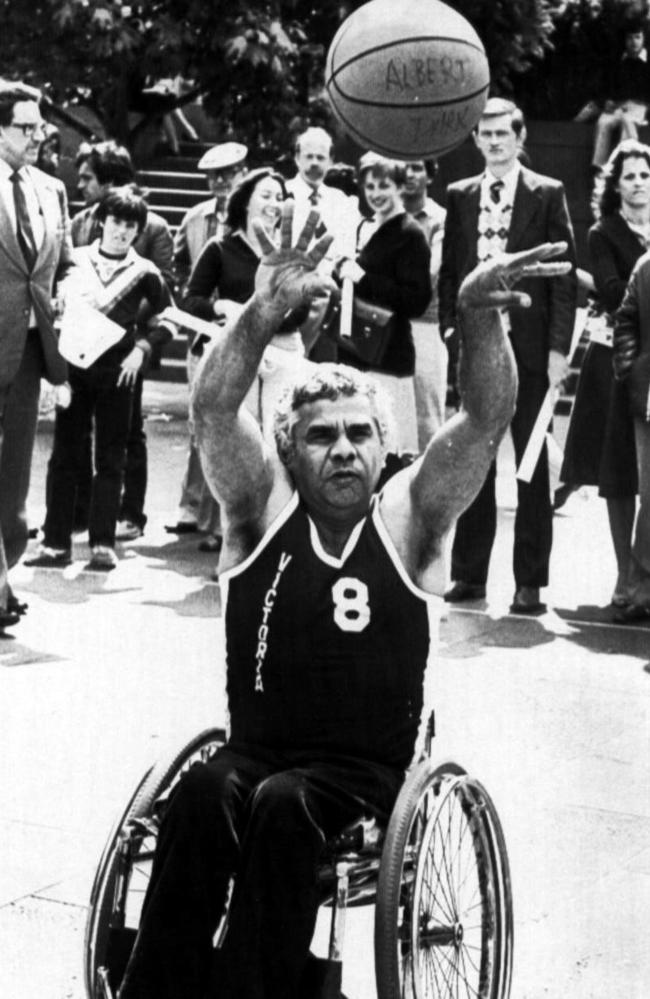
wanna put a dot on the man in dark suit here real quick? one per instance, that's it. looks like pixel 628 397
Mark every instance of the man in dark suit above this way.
pixel 35 252
pixel 510 208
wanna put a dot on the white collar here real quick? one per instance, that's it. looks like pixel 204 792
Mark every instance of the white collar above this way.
pixel 642 56
pixel 509 182
pixel 306 190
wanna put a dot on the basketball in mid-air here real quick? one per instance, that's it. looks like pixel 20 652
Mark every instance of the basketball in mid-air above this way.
pixel 407 78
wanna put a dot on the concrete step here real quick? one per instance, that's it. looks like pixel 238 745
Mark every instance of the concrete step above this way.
pixel 172 179
pixel 175 196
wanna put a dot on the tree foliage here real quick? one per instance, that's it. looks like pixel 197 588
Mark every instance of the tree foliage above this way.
pixel 259 63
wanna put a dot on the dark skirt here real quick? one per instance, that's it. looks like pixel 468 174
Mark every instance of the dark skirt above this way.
pixel 599 449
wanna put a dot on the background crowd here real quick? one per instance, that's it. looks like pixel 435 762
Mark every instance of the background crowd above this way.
pixel 403 255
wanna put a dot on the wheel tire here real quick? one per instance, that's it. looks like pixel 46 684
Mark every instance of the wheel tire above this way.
pixel 156 782
pixel 424 946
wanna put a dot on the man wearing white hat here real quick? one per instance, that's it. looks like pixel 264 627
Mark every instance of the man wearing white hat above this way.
pixel 223 166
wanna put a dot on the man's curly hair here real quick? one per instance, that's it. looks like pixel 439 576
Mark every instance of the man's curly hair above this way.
pixel 329 381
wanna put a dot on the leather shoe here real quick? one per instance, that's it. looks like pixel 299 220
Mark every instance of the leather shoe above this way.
pixel 526 601
pixel 182 527
pixel 461 591
pixel 16 606
pixel 632 613
pixel 49 560
pixel 7 620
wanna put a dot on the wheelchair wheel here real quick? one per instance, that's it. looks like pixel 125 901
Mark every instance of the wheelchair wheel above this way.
pixel 443 922
pixel 125 867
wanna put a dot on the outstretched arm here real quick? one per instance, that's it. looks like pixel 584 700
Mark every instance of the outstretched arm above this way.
pixel 443 483
pixel 237 465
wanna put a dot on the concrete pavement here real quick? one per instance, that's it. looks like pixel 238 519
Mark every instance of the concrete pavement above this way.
pixel 550 713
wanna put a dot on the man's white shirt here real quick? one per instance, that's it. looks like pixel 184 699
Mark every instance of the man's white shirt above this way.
pixel 338 212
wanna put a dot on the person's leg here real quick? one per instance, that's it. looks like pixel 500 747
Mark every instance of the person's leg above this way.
pixel 198 850
pixel 475 533
pixel 534 516
pixel 18 417
pixel 112 422
pixel 135 472
pixel 430 380
pixel 290 817
pixel 71 429
pixel 640 561
pixel 621 511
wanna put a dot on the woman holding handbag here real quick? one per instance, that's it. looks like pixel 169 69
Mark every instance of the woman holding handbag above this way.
pixel 600 447
pixel 392 285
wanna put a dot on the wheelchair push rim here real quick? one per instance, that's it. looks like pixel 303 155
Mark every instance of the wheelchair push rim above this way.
pixel 443 924
pixel 124 869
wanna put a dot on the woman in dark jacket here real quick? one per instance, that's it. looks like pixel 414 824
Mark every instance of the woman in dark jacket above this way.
pixel 394 261
pixel 600 444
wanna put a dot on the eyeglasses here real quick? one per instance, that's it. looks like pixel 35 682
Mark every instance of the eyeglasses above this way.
pixel 28 128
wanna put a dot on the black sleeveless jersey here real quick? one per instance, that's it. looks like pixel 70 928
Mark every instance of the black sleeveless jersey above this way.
pixel 326 654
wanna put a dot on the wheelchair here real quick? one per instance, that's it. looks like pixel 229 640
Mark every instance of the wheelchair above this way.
pixel 437 875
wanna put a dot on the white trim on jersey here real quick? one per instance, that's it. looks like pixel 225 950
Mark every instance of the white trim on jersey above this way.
pixel 332 560
pixel 270 532
pixel 395 558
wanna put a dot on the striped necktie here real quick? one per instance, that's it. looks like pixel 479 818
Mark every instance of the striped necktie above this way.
pixel 24 231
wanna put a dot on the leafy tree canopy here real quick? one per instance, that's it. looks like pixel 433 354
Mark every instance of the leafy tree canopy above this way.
pixel 258 63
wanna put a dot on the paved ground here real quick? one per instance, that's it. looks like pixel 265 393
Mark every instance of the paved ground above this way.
pixel 550 713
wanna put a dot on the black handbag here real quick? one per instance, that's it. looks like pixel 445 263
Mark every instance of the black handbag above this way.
pixel 638 387
pixel 372 329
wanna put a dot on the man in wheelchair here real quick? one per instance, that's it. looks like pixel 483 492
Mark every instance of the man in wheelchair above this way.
pixel 328 592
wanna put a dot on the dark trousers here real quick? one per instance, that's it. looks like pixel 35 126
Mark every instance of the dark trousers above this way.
pixel 265 817
pixel 94 394
pixel 135 472
pixel 476 528
pixel 18 421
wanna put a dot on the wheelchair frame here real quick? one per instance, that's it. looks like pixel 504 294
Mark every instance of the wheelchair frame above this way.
pixel 438 875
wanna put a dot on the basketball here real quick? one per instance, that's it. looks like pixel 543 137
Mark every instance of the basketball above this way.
pixel 407 79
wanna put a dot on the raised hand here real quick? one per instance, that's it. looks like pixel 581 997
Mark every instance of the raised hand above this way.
pixel 287 274
pixel 490 285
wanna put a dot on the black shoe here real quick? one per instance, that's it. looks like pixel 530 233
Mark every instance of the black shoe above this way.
pixel 211 543
pixel 632 613
pixel 182 527
pixel 7 620
pixel 526 601
pixel 16 606
pixel 49 559
pixel 461 591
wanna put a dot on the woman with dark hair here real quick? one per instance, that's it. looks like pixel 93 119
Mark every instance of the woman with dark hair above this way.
pixel 391 271
pixel 600 447
pixel 222 280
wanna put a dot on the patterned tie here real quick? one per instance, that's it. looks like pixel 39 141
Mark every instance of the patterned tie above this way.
pixel 314 197
pixel 495 191
pixel 24 231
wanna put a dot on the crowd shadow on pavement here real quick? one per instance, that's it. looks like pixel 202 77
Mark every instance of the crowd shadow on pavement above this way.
pixel 204 602
pixel 73 585
pixel 179 554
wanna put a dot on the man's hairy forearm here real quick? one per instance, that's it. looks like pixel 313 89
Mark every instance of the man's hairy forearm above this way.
pixel 487 373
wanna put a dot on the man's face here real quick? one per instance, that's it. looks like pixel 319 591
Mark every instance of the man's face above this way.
pixel 89 187
pixel 221 182
pixel 20 141
pixel 416 179
pixel 337 456
pixel 118 235
pixel 634 42
pixel 313 159
pixel 497 141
